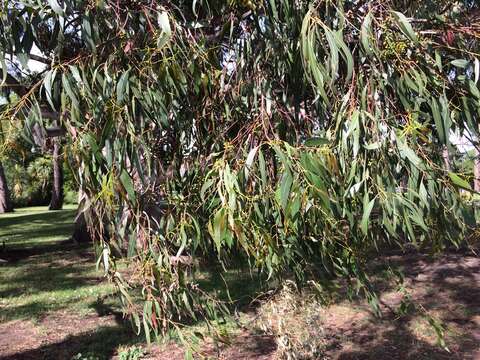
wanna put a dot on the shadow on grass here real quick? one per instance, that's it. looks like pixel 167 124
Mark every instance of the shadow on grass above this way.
pixel 394 342
pixel 30 229
pixel 100 344
pixel 17 253
pixel 48 279
pixel 239 286
pixel 45 290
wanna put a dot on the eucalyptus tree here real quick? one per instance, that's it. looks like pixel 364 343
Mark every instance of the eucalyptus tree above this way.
pixel 301 136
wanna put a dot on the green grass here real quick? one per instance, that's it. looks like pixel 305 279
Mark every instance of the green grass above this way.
pixel 44 273
pixel 34 226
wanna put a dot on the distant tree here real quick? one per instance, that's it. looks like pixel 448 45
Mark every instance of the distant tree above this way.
pixel 5 196
pixel 5 200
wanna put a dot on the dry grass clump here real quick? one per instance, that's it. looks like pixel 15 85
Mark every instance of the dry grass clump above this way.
pixel 293 317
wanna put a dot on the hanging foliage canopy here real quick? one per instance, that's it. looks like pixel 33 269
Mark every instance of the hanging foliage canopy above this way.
pixel 299 136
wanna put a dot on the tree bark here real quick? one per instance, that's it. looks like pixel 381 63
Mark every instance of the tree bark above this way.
pixel 56 202
pixel 476 171
pixel 446 158
pixel 5 201
pixel 80 231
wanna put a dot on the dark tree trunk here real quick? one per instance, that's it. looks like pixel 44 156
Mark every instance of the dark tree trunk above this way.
pixel 57 189
pixel 5 201
pixel 80 231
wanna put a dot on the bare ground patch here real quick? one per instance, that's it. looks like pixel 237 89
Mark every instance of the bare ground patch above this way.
pixel 445 289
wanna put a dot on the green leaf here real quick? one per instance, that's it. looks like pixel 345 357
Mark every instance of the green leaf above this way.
pixel 262 167
pixel 206 185
pixel 365 34
pixel 127 183
pixel 418 219
pixel 56 7
pixel 87 34
pixel 136 319
pixel 218 228
pixel 405 26
pixel 366 215
pixel 188 355
pixel 146 330
pixel 346 55
pixel 122 86
pixel 460 63
pixel 75 73
pixel 273 6
pixel 285 187
pixel 317 141
pixel 48 81
pixel 457 180
pixel 68 88
pixel 407 153
pixel 333 52
pixel 437 117
pixel 472 87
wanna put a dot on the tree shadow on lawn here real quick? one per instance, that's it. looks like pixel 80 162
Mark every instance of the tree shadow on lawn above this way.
pixel 54 248
pixel 238 285
pixel 48 278
pixel 101 343
pixel 31 229
pixel 53 267
pixel 43 216
pixel 393 341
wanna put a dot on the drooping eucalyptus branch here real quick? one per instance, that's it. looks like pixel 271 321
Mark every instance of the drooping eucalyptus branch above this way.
pixel 301 137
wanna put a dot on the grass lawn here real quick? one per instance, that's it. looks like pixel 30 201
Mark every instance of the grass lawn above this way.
pixel 46 273
pixel 36 226
pixel 50 289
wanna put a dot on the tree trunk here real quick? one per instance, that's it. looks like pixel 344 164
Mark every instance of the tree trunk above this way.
pixel 5 201
pixel 476 171
pixel 57 189
pixel 80 231
pixel 446 158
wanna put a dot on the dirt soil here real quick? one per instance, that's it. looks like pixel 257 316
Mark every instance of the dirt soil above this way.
pixel 448 289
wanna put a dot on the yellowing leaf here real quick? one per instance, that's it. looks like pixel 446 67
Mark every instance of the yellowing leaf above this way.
pixel 457 180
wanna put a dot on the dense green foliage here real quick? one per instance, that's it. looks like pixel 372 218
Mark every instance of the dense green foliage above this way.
pixel 29 170
pixel 298 136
